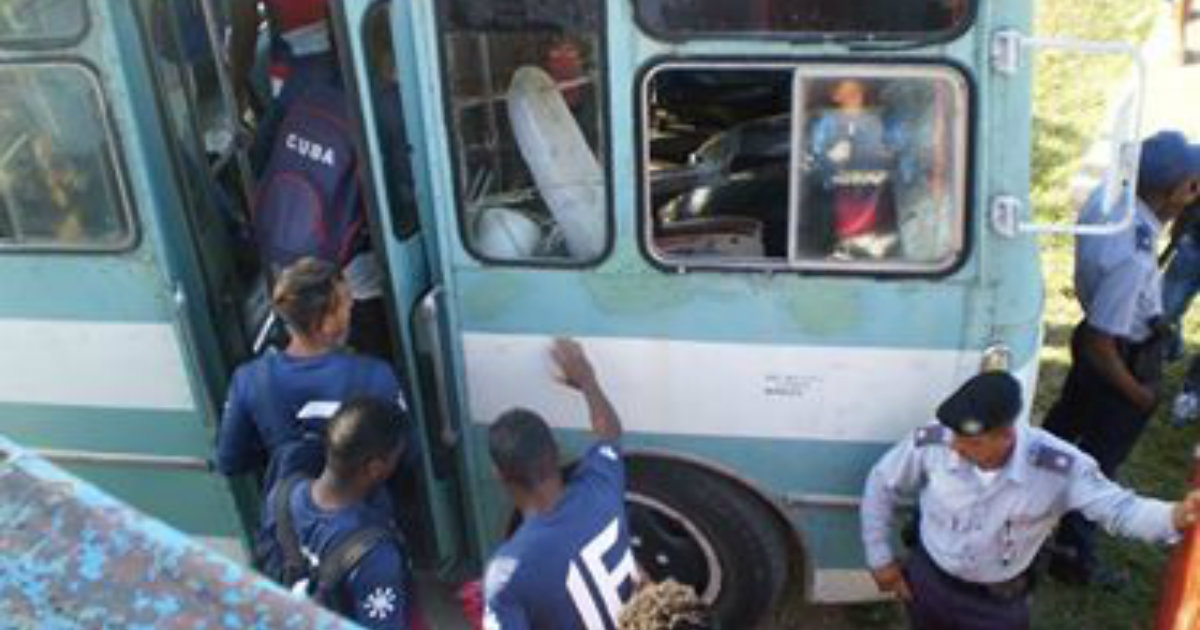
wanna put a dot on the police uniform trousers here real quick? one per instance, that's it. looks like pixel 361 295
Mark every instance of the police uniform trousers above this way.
pixel 943 602
pixel 1094 415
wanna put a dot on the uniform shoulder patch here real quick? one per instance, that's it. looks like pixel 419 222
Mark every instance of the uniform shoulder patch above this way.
pixel 930 435
pixel 1055 460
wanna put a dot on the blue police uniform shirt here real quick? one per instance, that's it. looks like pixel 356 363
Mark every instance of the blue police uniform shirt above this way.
pixel 1116 275
pixel 303 386
pixel 377 593
pixel 988 532
pixel 572 567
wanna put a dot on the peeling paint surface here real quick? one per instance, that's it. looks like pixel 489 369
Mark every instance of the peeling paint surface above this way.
pixel 72 558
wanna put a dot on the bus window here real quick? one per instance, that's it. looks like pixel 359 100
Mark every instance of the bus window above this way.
pixel 58 181
pixel 389 114
pixel 41 20
pixel 686 18
pixel 809 168
pixel 527 111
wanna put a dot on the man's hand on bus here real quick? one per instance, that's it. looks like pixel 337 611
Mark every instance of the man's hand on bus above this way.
pixel 890 579
pixel 1187 511
pixel 576 372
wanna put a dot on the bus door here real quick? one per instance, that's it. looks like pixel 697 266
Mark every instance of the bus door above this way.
pixel 206 149
pixel 388 130
pixel 101 317
pixel 766 251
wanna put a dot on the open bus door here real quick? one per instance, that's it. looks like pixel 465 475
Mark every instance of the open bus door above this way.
pixel 373 63
pixel 104 316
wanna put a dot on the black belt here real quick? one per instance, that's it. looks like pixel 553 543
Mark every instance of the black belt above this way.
pixel 1008 590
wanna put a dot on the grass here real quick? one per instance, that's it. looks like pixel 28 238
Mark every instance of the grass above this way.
pixel 1071 94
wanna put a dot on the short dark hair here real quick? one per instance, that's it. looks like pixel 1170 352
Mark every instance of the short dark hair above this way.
pixel 305 293
pixel 523 448
pixel 362 430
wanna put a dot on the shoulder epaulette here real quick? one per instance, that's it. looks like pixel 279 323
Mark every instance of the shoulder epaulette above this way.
pixel 1049 458
pixel 931 434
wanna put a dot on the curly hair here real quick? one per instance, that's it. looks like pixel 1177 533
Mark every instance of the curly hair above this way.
pixel 666 605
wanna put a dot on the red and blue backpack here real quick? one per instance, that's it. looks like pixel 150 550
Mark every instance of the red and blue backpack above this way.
pixel 309 200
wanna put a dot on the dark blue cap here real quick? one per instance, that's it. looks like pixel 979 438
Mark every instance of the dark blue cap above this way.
pixel 1167 159
pixel 984 402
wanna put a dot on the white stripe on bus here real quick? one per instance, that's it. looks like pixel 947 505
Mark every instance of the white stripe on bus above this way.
pixel 842 394
pixel 92 364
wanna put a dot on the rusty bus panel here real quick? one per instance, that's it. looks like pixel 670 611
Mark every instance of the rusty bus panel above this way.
pixel 71 557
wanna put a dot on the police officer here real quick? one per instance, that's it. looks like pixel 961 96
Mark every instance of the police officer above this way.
pixel 989 490
pixel 1117 350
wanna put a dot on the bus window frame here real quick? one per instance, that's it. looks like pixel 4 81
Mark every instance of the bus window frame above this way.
pixel 604 117
pixel 47 43
pixel 863 39
pixel 189 193
pixel 124 205
pixel 790 264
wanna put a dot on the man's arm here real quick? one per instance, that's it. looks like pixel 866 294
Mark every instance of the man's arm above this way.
pixel 1100 349
pixel 381 590
pixel 898 475
pixel 1122 512
pixel 238 441
pixel 502 608
pixel 578 374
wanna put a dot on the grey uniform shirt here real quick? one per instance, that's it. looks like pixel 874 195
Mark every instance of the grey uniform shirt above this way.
pixel 1116 275
pixel 989 532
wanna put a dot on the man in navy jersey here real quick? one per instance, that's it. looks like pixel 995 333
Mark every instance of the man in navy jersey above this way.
pixel 280 401
pixel 332 513
pixel 569 565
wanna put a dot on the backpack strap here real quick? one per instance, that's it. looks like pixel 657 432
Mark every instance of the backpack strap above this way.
pixel 294 565
pixel 345 555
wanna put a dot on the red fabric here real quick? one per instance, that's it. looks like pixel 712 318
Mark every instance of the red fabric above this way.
pixel 470 595
pixel 292 14
pixel 856 211
pixel 1179 608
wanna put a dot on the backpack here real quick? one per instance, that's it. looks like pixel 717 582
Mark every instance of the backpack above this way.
pixel 309 200
pixel 281 558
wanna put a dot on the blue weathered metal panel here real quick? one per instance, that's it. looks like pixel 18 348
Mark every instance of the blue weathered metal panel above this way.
pixel 71 558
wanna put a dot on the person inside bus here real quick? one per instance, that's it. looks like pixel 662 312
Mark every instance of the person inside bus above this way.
pixel 279 403
pixel 310 201
pixel 353 559
pixel 567 523
pixel 989 490
pixel 300 50
pixel 1117 350
pixel 853 169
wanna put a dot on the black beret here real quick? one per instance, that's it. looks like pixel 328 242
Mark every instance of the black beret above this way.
pixel 984 402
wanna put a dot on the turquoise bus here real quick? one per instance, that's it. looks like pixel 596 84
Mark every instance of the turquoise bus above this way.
pixel 783 230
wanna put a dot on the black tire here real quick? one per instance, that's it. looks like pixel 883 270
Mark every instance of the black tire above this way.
pixel 707 532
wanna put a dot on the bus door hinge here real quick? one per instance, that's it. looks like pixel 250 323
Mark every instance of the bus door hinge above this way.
pixel 1006 215
pixel 1008 46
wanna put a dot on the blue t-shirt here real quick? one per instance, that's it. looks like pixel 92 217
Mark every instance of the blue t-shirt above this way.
pixel 305 393
pixel 571 568
pixel 377 592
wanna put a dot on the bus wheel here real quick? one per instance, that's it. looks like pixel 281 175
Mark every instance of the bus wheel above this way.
pixel 705 532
